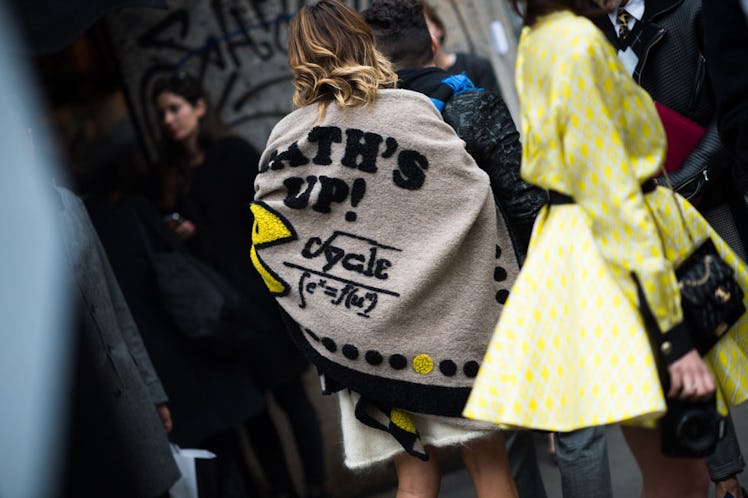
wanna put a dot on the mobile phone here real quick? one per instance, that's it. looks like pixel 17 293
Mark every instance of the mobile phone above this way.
pixel 174 217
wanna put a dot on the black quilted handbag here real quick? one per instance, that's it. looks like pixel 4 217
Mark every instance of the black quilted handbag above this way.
pixel 711 298
pixel 195 295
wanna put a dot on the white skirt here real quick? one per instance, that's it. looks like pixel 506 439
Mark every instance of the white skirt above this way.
pixel 365 446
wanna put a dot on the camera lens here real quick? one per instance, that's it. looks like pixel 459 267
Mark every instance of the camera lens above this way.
pixel 696 431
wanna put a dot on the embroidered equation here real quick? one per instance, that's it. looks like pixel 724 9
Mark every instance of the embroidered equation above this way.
pixel 346 264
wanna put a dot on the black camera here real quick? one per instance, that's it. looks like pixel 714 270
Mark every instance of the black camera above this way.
pixel 691 428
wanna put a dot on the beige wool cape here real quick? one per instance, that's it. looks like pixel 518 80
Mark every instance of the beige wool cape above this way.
pixel 377 233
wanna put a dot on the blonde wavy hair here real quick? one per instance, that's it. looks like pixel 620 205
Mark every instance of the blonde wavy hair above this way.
pixel 332 54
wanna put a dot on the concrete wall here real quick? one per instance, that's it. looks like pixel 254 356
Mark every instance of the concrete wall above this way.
pixel 238 48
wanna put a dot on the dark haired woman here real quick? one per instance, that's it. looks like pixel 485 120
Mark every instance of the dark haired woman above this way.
pixel 206 182
pixel 571 349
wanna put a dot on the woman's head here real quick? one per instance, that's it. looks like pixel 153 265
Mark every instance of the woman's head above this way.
pixel 188 129
pixel 180 105
pixel 531 10
pixel 332 54
pixel 184 113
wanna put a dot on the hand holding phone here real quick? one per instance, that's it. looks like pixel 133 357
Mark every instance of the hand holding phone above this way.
pixel 183 227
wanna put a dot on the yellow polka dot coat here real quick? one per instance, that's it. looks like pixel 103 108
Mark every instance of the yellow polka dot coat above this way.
pixel 570 349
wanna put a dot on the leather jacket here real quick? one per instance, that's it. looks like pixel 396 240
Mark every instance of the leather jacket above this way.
pixel 672 68
pixel 483 121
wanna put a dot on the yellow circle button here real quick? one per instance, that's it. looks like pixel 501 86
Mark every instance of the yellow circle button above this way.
pixel 423 364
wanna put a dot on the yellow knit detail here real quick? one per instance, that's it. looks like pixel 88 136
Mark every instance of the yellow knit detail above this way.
pixel 273 284
pixel 402 420
pixel 423 364
pixel 268 226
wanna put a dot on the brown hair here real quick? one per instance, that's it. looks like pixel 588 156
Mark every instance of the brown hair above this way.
pixel 332 54
pixel 174 166
pixel 532 10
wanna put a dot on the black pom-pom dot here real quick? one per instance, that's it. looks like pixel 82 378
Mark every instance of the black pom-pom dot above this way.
pixel 448 367
pixel 499 274
pixel 471 369
pixel 373 357
pixel 398 361
pixel 502 296
pixel 350 352
pixel 329 344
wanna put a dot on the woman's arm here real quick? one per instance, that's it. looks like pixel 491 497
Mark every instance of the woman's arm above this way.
pixel 610 126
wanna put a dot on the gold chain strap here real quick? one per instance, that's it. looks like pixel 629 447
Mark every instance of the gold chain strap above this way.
pixel 677 204
pixel 707 273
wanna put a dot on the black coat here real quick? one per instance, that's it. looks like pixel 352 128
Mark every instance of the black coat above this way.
pixel 672 67
pixel 726 48
pixel 218 200
pixel 208 391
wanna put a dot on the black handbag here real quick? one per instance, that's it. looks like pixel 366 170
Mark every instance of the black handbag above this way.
pixel 711 298
pixel 712 301
pixel 195 296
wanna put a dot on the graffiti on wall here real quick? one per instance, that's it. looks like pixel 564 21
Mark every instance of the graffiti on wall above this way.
pixel 237 49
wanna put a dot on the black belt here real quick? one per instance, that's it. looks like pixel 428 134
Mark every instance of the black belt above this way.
pixel 556 198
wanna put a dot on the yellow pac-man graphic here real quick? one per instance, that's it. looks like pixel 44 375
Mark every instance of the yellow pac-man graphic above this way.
pixel 270 228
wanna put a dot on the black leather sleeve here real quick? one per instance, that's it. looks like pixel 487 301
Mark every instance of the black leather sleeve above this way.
pixel 484 122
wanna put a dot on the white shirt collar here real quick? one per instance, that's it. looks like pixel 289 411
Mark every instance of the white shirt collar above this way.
pixel 633 7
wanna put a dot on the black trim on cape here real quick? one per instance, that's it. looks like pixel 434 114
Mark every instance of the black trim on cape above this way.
pixel 420 398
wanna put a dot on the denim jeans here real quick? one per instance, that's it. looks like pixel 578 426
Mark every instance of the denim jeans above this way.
pixel 520 447
pixel 582 457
